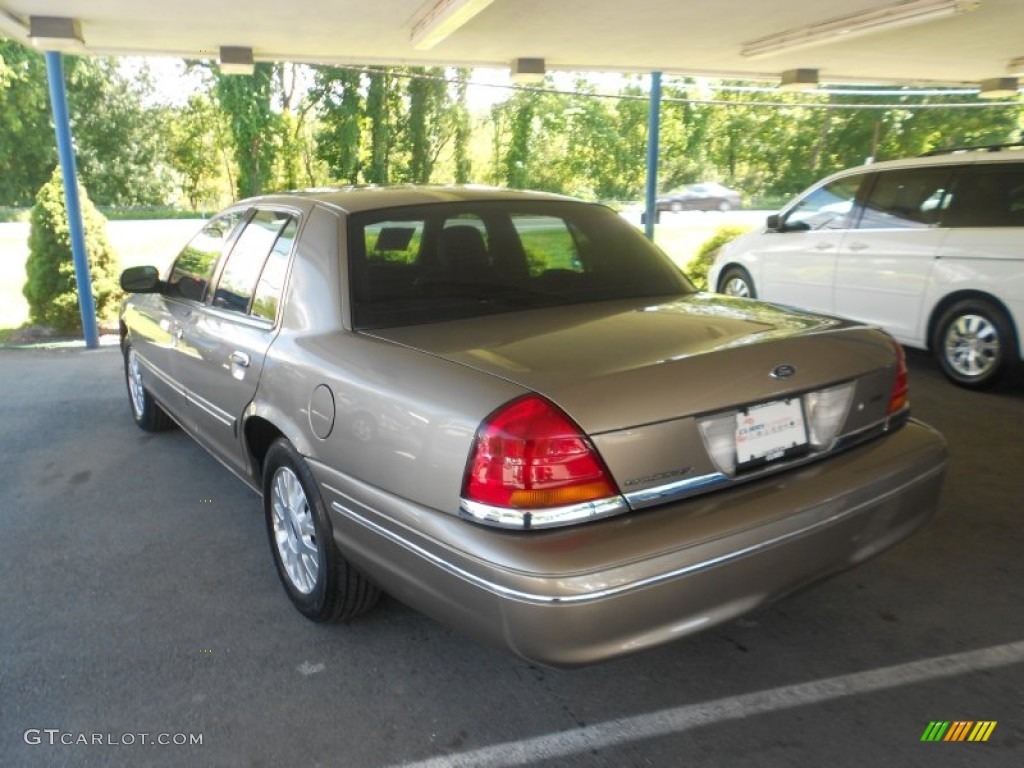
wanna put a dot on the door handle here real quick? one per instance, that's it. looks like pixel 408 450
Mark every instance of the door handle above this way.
pixel 858 246
pixel 824 246
pixel 240 359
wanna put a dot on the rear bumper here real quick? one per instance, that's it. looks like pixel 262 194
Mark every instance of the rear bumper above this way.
pixel 574 596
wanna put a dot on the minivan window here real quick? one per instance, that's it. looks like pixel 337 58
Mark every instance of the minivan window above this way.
pixel 909 198
pixel 988 196
pixel 827 207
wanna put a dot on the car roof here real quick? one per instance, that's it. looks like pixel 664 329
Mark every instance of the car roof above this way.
pixel 367 198
pixel 964 157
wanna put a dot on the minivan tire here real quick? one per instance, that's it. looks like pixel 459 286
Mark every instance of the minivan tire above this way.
pixel 974 343
pixel 736 281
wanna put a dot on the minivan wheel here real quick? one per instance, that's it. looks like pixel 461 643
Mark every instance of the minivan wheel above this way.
pixel 145 411
pixel 736 281
pixel 319 581
pixel 973 343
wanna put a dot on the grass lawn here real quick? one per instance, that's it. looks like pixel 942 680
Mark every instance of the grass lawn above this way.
pixel 154 242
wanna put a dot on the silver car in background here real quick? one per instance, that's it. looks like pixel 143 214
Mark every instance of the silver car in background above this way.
pixel 512 412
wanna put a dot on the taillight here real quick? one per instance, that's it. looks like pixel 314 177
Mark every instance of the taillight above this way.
pixel 529 457
pixel 899 397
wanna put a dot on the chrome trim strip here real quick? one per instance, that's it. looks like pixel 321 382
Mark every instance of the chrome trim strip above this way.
pixel 688 485
pixel 222 416
pixel 550 517
pixel 600 594
pixel 175 386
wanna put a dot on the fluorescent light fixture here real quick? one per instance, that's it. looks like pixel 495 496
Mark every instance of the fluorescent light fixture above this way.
pixel 236 60
pixel 55 33
pixel 998 88
pixel 799 80
pixel 1015 67
pixel 845 27
pixel 441 19
pixel 528 70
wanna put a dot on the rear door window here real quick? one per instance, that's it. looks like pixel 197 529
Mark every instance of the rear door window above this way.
pixel 237 281
pixel 909 198
pixel 988 196
pixel 271 283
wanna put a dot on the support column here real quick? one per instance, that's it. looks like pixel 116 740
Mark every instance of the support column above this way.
pixel 66 153
pixel 653 128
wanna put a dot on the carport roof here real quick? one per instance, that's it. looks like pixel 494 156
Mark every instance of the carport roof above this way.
pixel 673 36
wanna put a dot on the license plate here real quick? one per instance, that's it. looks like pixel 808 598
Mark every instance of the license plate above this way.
pixel 769 432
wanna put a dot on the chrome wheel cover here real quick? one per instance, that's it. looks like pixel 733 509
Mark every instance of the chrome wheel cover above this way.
pixel 135 389
pixel 971 346
pixel 737 286
pixel 294 531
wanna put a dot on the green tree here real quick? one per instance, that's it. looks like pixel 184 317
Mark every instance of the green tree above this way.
pixel 379 114
pixel 195 146
pixel 50 287
pixel 121 143
pixel 247 101
pixel 27 149
pixel 339 100
pixel 463 129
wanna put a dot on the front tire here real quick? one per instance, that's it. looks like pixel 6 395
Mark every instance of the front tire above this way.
pixel 320 582
pixel 148 415
pixel 736 281
pixel 973 343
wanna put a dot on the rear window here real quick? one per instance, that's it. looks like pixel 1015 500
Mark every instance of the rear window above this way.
pixel 436 262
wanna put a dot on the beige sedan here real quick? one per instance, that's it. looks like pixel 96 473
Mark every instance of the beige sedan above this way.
pixel 512 412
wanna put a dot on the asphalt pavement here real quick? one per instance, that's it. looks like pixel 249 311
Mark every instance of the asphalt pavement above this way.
pixel 142 623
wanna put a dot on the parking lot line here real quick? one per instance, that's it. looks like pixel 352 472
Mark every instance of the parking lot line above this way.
pixel 679 719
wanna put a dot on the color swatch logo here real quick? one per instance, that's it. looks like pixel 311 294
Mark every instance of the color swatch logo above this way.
pixel 958 730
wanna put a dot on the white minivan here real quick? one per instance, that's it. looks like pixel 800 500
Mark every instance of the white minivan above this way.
pixel 931 249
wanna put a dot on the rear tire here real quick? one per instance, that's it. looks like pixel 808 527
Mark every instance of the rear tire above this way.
pixel 319 581
pixel 736 281
pixel 148 415
pixel 974 343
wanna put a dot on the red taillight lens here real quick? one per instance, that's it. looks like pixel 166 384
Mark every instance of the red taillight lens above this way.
pixel 899 396
pixel 530 455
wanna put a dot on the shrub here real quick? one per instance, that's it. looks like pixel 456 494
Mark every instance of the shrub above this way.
pixel 697 268
pixel 50 285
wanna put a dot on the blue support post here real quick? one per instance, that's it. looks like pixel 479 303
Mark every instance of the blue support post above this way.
pixel 653 128
pixel 66 153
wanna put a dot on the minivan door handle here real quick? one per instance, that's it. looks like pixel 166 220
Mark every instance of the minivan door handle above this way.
pixel 859 246
pixel 240 359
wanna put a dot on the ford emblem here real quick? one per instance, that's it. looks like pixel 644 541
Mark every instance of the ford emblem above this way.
pixel 783 371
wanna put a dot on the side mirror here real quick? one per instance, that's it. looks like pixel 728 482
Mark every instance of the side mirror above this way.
pixel 774 222
pixel 141 280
